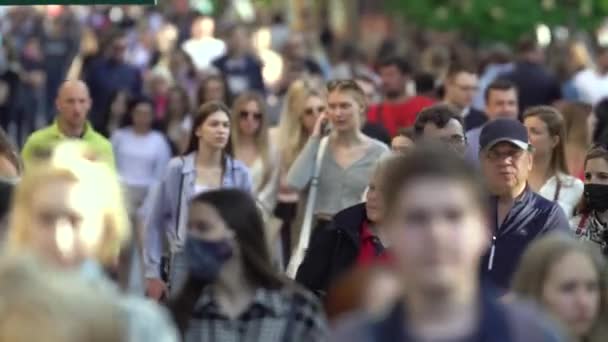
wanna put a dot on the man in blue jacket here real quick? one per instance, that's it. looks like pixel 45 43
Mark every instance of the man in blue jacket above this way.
pixel 517 214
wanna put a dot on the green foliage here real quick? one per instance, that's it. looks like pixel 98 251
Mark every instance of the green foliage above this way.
pixel 489 20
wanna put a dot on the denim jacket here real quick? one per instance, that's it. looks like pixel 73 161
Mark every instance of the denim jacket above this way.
pixel 165 210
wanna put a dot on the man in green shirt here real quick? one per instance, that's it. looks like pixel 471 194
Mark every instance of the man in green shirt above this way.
pixel 73 104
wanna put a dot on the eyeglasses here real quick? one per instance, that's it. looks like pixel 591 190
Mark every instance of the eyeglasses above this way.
pixel 257 116
pixel 494 155
pixel 313 111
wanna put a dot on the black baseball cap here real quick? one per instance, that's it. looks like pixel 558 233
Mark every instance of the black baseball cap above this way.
pixel 504 130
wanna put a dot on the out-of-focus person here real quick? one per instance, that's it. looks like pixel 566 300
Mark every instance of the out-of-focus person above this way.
pixel 568 280
pixel 436 215
pixel 73 105
pixel 202 46
pixel 591 220
pixel 116 110
pixel 535 84
pixel 213 88
pixel 177 123
pixel 461 85
pixel 394 73
pixel 232 292
pixel 141 153
pixel 42 304
pixel 242 69
pixel 501 102
pixel 70 213
pixel 404 140
pixel 205 165
pixel 109 73
pixel 549 176
pixel 578 120
pixel 592 83
pixel 498 61
pixel 371 289
pixel 372 130
pixel 517 214
pixel 441 123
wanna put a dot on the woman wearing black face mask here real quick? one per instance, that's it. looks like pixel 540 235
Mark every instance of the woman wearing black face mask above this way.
pixel 591 223
pixel 232 292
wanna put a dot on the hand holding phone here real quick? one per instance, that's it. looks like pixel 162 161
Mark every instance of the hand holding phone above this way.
pixel 321 127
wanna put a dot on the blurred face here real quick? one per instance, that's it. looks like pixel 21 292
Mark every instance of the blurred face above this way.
pixel 540 138
pixel 369 90
pixel 143 116
pixel 572 292
pixel 119 106
pixel 73 104
pixel 602 61
pixel 215 131
pixel 452 135
pixel 66 227
pixel 344 111
pixel 502 104
pixel 441 234
pixel 393 81
pixel 214 91
pixel 596 171
pixel 314 107
pixel 401 144
pixel 118 49
pixel 250 119
pixel 506 167
pixel 239 41
pixel 373 201
pixel 174 103
pixel 461 89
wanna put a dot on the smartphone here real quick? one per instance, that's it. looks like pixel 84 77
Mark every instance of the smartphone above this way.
pixel 325 128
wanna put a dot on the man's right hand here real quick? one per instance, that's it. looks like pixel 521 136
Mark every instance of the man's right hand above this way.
pixel 156 289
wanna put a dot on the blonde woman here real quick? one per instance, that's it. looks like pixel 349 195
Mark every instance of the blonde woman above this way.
pixel 302 106
pixel 70 212
pixel 568 279
pixel 250 144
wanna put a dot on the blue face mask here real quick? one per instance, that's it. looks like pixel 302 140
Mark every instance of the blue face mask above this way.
pixel 206 258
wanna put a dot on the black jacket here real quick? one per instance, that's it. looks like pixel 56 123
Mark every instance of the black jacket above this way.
pixel 333 250
pixel 474 119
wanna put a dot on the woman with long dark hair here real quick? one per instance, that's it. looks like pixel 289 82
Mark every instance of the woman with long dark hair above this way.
pixel 232 292
pixel 204 166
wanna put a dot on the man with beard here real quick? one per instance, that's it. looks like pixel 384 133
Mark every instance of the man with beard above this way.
pixel 394 73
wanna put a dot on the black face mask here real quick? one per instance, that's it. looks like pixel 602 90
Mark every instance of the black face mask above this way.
pixel 206 258
pixel 596 197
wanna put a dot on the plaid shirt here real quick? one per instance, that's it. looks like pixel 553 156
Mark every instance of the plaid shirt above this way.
pixel 273 316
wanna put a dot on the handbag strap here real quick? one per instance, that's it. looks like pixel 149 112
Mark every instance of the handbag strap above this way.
pixel 557 190
pixel 305 233
pixel 179 199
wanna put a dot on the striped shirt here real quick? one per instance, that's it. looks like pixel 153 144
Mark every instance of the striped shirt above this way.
pixel 273 316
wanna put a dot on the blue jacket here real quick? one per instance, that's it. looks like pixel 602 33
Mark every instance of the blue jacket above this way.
pixel 531 217
pixel 498 323
pixel 165 210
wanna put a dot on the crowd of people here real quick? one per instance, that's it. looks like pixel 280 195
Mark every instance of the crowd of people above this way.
pixel 160 182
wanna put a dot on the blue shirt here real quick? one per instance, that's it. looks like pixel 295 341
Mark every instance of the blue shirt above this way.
pixel 530 217
pixel 165 210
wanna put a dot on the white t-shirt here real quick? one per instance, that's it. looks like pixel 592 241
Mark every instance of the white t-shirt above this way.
pixel 204 52
pixel 140 159
pixel 569 195
pixel 592 86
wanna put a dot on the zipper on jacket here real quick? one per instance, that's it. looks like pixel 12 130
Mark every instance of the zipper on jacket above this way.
pixel 492 252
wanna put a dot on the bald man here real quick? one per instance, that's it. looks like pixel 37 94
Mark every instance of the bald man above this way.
pixel 73 104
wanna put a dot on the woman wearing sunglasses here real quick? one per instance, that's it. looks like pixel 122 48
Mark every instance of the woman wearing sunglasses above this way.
pixel 591 222
pixel 250 143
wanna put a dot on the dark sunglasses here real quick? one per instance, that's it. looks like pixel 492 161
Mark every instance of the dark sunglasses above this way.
pixel 312 111
pixel 256 115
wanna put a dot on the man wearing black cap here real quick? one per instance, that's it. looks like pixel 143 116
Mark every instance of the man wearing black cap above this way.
pixel 517 214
